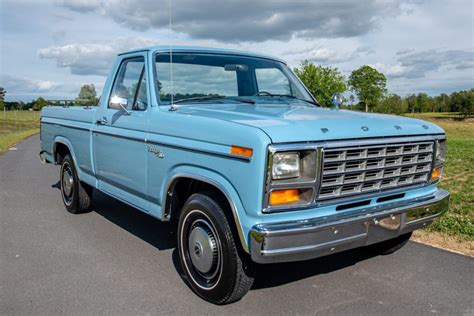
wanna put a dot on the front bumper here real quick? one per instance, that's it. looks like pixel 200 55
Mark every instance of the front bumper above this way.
pixel 316 237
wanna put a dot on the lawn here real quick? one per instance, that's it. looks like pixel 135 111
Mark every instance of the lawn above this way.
pixel 458 175
pixel 17 125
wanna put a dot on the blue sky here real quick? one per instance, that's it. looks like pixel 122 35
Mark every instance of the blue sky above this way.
pixel 50 48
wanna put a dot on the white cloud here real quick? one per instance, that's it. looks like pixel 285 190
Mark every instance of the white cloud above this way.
pixel 417 64
pixel 390 71
pixel 81 5
pixel 91 58
pixel 28 85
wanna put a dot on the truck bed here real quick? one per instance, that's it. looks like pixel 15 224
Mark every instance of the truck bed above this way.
pixel 71 124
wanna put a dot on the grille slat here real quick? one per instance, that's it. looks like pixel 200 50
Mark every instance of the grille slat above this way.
pixel 349 171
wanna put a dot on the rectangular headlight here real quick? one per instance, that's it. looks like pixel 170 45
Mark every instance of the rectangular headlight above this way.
pixel 286 165
pixel 440 155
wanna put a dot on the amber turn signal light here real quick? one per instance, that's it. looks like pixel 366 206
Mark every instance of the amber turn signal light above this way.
pixel 436 174
pixel 241 151
pixel 284 196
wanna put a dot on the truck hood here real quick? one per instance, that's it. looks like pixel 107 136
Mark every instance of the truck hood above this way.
pixel 285 123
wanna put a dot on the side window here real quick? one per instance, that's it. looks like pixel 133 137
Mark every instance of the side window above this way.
pixel 130 85
pixel 272 80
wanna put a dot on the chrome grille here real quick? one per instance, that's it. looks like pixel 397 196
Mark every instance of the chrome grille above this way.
pixel 358 170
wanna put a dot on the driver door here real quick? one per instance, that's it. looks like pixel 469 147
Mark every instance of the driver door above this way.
pixel 119 137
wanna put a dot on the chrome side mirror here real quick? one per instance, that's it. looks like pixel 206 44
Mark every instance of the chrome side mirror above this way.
pixel 119 103
pixel 337 100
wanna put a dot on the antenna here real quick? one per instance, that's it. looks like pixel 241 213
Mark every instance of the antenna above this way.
pixel 173 106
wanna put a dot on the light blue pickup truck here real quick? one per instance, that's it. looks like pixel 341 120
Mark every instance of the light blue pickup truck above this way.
pixel 233 148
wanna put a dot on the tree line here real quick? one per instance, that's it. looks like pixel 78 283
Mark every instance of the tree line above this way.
pixel 368 87
pixel 87 96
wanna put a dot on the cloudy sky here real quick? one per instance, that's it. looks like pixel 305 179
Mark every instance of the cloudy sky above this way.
pixel 50 48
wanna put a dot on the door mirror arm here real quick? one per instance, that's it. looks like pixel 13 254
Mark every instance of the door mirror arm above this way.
pixel 120 102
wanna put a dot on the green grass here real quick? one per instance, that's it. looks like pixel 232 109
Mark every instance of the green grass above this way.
pixel 17 125
pixel 458 175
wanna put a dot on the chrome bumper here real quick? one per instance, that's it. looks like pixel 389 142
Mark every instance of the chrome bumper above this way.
pixel 317 237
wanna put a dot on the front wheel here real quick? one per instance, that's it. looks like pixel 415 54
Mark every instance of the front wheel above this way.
pixel 212 264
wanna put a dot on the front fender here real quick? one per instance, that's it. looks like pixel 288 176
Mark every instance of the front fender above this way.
pixel 243 221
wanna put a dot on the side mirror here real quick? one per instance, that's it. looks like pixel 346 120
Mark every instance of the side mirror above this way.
pixel 337 100
pixel 119 103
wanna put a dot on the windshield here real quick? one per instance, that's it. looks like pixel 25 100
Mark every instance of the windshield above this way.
pixel 219 78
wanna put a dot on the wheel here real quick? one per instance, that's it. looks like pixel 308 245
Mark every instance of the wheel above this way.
pixel 77 196
pixel 390 246
pixel 213 265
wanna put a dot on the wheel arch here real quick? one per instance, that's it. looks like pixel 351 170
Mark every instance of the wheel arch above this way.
pixel 60 146
pixel 210 181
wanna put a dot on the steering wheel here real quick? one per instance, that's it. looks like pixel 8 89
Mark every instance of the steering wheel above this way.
pixel 262 93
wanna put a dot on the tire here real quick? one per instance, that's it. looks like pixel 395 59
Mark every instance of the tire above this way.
pixel 77 196
pixel 390 246
pixel 214 266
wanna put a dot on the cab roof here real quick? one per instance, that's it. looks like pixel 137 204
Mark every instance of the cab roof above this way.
pixel 196 49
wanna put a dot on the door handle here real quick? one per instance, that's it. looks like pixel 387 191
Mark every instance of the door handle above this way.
pixel 102 121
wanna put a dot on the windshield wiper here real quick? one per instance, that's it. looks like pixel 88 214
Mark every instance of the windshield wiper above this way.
pixel 268 94
pixel 205 97
pixel 214 97
pixel 244 100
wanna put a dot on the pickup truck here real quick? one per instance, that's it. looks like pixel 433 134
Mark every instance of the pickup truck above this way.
pixel 232 148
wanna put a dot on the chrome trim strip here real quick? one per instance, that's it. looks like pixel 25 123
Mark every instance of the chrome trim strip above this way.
pixel 312 238
pixel 66 125
pixel 139 139
pixel 302 249
pixel 202 151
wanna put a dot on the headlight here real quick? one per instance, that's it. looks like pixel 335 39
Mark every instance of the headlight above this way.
pixel 286 165
pixel 440 156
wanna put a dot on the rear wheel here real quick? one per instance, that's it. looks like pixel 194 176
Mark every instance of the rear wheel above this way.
pixel 77 196
pixel 213 265
pixel 390 246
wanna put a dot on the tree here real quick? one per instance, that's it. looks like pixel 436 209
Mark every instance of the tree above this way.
pixel 88 93
pixel 392 104
pixel 463 102
pixel 2 98
pixel 321 81
pixel 369 85
pixel 423 103
pixel 39 104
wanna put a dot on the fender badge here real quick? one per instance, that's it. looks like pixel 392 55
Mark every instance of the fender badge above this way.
pixel 398 127
pixel 425 126
pixel 324 130
pixel 158 153
pixel 364 128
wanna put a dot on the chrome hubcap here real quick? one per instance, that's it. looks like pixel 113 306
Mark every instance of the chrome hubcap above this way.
pixel 203 248
pixel 68 181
